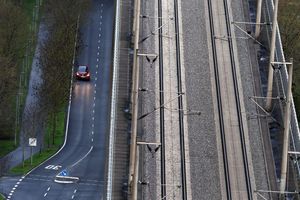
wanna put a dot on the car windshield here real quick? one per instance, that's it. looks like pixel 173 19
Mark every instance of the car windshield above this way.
pixel 82 69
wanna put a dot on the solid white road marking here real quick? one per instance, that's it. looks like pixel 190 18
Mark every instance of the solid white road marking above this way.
pixel 83 156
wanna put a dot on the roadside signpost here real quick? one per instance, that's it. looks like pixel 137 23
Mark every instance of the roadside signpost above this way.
pixel 32 143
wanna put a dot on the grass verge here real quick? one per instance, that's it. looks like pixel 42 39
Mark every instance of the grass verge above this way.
pixel 47 152
pixel 2 197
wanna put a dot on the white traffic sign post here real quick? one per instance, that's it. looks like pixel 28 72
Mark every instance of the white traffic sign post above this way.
pixel 32 143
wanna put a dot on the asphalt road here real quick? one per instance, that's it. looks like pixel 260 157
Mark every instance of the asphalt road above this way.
pixel 83 155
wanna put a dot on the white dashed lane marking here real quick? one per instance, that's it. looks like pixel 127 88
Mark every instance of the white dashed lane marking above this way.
pixel 45 194
pixel 48 189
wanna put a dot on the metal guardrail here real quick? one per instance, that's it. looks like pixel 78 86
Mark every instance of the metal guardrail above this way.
pixel 113 101
pixel 282 76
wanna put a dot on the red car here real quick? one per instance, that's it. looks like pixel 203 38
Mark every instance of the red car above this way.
pixel 83 73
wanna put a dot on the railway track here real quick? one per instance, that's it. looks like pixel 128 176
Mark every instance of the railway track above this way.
pixel 180 110
pixel 226 164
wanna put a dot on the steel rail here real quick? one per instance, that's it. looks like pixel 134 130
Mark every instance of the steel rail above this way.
pixel 238 105
pixel 219 100
pixel 180 104
pixel 161 102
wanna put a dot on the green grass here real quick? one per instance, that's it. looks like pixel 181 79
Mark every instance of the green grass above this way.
pixel 46 153
pixel 6 146
pixel 2 197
